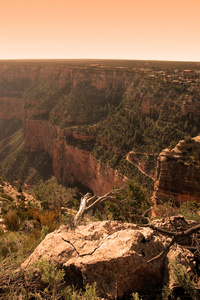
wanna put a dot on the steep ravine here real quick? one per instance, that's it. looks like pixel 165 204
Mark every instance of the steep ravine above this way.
pixel 70 164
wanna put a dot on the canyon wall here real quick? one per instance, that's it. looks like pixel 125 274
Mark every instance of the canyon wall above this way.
pixel 178 173
pixel 10 115
pixel 70 164
pixel 91 90
pixel 73 165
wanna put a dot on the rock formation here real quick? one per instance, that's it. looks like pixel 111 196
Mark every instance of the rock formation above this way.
pixel 115 255
pixel 178 173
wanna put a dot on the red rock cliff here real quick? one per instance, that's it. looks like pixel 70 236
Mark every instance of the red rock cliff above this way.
pixel 70 164
pixel 178 173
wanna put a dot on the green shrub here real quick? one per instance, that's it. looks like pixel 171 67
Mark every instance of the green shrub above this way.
pixel 67 218
pixel 53 195
pixel 51 275
pixel 181 162
pixel 190 210
pixel 182 279
pixel 52 285
pixel 188 139
pixel 91 292
pixel 6 196
pixel 22 197
pixel 19 189
pixel 136 296
pixel 3 179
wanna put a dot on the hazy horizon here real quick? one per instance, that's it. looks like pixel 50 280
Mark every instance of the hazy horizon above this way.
pixel 106 29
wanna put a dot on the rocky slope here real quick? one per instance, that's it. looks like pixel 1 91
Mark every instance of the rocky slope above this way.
pixel 10 196
pixel 178 173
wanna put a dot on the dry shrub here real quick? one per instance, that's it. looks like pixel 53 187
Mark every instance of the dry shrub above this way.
pixel 6 196
pixel 49 218
pixel 32 239
pixel 12 221
pixel 33 214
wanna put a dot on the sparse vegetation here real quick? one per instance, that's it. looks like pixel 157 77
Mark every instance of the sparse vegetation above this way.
pixel 182 282
pixel 53 195
pixel 28 225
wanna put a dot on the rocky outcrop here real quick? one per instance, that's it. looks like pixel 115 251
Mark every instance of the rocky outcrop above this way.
pixel 40 136
pixel 191 104
pixel 115 255
pixel 178 173
pixel 149 106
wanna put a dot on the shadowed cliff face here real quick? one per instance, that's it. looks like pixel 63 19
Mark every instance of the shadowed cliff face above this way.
pixel 10 115
pixel 178 173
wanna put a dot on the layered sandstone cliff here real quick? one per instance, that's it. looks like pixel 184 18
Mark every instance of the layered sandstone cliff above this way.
pixel 178 173
pixel 70 164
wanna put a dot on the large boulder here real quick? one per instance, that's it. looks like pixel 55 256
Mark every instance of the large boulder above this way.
pixel 113 254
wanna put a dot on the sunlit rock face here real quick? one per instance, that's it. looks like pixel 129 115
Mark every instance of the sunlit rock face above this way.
pixel 109 253
pixel 71 164
pixel 115 255
pixel 178 173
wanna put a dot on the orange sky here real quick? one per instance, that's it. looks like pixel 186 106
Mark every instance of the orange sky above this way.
pixel 123 29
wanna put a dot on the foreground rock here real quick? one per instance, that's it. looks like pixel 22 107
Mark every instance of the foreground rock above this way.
pixel 112 254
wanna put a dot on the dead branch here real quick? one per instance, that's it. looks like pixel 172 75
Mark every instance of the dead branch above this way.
pixel 177 237
pixel 177 234
pixel 88 202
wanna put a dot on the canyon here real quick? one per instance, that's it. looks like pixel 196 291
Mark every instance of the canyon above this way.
pixel 70 164
pixel 95 126
pixel 82 99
